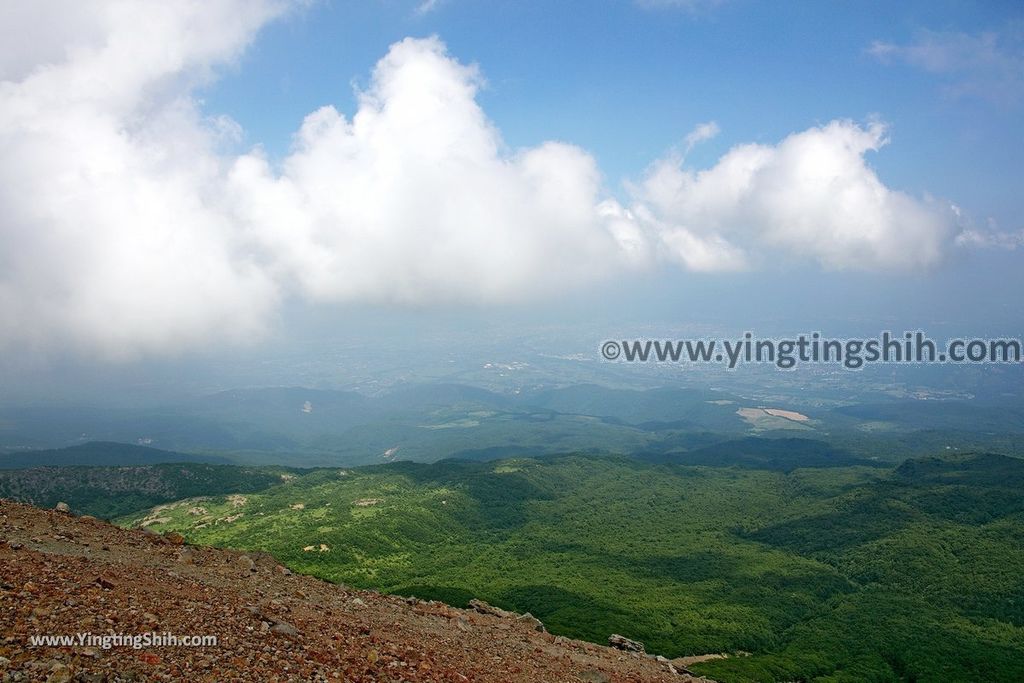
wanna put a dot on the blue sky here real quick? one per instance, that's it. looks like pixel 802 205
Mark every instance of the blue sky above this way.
pixel 627 81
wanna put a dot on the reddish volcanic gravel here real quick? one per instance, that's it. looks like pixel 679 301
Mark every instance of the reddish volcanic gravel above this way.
pixel 61 575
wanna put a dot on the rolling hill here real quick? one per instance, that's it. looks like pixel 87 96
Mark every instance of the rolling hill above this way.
pixel 822 573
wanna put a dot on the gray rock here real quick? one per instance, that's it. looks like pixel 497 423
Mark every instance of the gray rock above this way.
pixel 531 621
pixel 62 507
pixel 625 644
pixel 484 608
pixel 283 628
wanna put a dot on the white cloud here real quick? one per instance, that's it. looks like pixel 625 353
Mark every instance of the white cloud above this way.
pixel 124 230
pixel 989 64
pixel 427 6
pixel 704 131
pixel 989 237
pixel 991 240
pixel 811 196
pixel 110 237
pixel 414 199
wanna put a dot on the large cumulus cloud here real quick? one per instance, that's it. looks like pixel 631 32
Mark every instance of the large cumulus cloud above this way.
pixel 125 229
pixel 415 199
pixel 111 237
pixel 812 196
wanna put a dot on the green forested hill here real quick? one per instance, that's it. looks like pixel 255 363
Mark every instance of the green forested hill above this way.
pixel 109 492
pixel 828 574
pixel 100 454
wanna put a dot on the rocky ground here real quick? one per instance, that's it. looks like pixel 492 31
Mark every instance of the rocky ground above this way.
pixel 62 575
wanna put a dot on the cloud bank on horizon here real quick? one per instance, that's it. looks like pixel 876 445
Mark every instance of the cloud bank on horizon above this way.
pixel 127 228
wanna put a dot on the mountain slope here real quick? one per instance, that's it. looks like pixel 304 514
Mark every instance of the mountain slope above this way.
pixel 109 492
pixel 63 575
